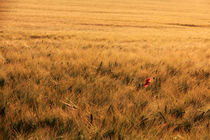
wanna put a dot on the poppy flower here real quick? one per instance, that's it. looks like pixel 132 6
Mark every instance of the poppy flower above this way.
pixel 147 82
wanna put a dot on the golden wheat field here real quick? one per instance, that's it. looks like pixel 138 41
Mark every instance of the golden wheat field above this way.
pixel 76 69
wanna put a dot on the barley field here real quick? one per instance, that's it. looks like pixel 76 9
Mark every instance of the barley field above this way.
pixel 75 69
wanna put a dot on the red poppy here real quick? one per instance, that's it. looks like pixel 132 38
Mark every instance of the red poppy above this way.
pixel 147 82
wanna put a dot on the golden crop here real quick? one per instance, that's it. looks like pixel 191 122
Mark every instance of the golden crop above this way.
pixel 75 69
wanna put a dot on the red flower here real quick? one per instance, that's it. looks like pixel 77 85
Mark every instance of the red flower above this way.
pixel 147 82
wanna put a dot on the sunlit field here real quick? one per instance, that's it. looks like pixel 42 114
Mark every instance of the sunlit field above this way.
pixel 76 69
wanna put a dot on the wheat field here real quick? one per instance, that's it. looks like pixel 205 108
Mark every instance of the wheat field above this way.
pixel 75 69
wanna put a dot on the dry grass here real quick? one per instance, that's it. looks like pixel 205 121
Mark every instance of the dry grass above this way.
pixel 76 69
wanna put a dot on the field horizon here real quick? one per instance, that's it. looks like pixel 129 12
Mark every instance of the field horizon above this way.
pixel 76 69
